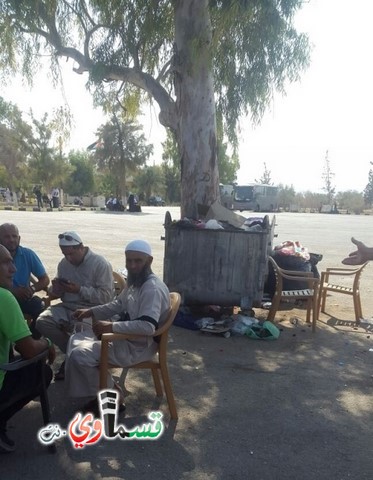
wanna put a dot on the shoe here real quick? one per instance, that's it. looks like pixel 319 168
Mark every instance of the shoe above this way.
pixel 60 374
pixel 6 444
pixel 91 407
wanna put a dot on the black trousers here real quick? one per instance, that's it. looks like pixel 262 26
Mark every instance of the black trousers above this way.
pixel 19 388
pixel 32 307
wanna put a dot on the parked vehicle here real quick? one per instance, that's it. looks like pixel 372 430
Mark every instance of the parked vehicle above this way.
pixel 156 201
pixel 257 197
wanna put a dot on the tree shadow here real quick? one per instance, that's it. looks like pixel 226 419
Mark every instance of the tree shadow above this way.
pixel 296 407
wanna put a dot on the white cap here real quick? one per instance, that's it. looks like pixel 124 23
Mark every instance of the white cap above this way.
pixel 139 246
pixel 69 239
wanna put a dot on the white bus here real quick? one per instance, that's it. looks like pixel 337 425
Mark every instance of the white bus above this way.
pixel 257 197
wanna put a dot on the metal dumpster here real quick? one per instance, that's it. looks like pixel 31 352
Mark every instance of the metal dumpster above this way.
pixel 217 267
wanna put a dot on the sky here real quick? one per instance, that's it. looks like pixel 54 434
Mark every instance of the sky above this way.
pixel 329 109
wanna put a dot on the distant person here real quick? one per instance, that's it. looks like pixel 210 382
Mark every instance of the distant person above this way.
pixel 8 196
pixel 84 279
pixel 47 199
pixel 38 195
pixel 55 197
pixel 115 204
pixel 361 255
pixel 138 309
pixel 131 202
pixel 109 203
pixel 18 387
pixel 27 264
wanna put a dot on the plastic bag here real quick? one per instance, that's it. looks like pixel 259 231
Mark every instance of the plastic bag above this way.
pixel 241 323
pixel 292 248
pixel 265 331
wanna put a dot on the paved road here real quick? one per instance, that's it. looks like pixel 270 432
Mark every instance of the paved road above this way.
pixel 107 233
pixel 296 408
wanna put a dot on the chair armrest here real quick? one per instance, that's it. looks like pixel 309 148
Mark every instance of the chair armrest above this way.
pixel 21 362
pixel 298 278
pixel 109 337
pixel 295 273
pixel 341 271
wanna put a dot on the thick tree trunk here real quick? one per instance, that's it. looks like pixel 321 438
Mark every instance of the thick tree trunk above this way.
pixel 196 130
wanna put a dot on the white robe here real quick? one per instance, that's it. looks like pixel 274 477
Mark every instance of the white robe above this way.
pixel 84 350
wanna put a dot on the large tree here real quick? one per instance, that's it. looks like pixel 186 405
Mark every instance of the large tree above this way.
pixel 15 135
pixel 47 164
pixel 122 150
pixel 194 58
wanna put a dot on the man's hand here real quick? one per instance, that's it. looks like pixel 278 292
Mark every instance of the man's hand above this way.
pixel 51 355
pixel 82 313
pixel 22 293
pixel 102 327
pixel 359 256
pixel 68 286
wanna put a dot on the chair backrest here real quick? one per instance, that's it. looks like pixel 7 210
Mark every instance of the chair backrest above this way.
pixel 119 283
pixel 358 273
pixel 162 332
pixel 276 271
pixel 292 275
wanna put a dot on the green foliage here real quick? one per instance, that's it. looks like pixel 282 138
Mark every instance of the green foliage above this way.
pixel 350 200
pixel 27 150
pixel 171 168
pixel 327 177
pixel 149 181
pixel 122 151
pixel 368 191
pixel 266 176
pixel 228 165
pixel 81 180
pixel 46 162
pixel 286 196
pixel 251 50
pixel 255 48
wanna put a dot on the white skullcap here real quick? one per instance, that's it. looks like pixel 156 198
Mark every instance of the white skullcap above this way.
pixel 69 239
pixel 139 246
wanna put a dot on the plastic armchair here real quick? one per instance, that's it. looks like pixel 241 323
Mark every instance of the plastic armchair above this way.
pixel 309 294
pixel 326 285
pixel 158 363
pixel 40 359
pixel 119 283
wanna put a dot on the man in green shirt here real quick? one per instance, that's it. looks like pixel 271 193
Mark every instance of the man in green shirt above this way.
pixel 18 387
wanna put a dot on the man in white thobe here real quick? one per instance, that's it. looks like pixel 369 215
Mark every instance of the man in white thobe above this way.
pixel 139 309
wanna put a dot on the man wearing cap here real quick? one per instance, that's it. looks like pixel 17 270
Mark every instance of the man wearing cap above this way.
pixel 28 264
pixel 84 279
pixel 138 309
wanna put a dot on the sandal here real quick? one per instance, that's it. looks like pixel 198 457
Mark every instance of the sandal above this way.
pixel 60 374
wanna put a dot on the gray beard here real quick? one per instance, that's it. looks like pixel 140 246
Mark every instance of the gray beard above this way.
pixel 138 279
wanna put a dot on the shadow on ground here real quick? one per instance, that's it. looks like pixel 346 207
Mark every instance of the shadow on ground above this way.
pixel 299 407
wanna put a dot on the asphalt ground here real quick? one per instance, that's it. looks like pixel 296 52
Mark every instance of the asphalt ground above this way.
pixel 296 408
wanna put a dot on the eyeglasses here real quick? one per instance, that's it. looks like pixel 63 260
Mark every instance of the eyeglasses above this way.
pixel 69 238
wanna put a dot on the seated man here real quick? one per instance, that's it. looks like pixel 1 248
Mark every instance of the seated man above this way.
pixel 18 387
pixel 84 279
pixel 27 263
pixel 141 306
